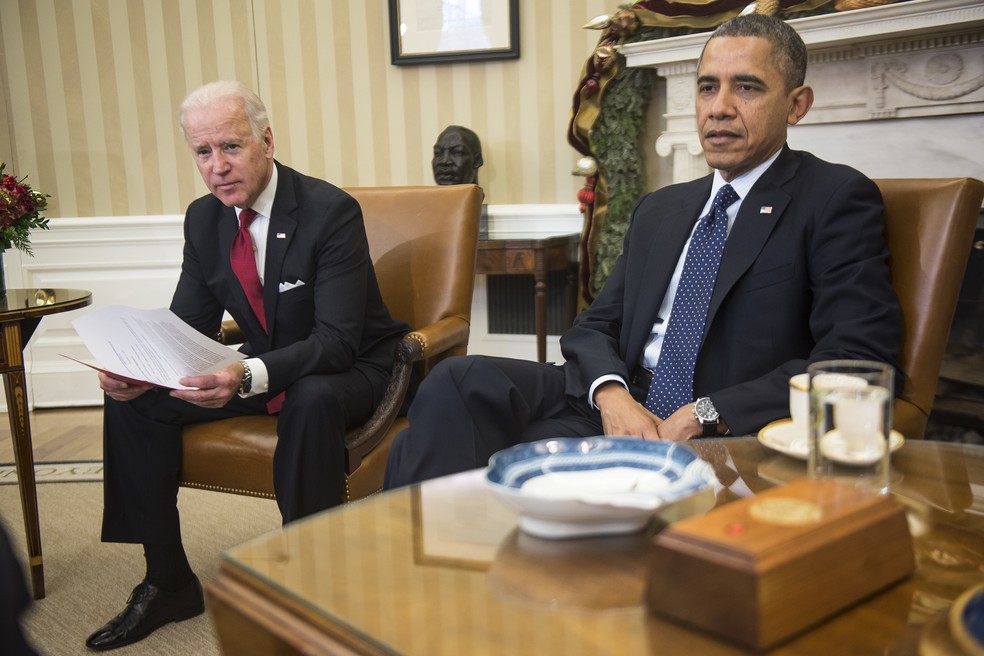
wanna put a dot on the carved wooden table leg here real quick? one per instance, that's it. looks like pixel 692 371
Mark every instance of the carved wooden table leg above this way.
pixel 20 431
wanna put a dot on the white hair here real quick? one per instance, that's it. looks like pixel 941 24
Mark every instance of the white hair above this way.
pixel 209 94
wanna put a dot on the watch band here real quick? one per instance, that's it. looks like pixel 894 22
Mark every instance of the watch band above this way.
pixel 709 429
pixel 246 385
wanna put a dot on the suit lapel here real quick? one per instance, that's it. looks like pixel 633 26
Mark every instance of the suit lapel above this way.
pixel 666 242
pixel 759 213
pixel 280 232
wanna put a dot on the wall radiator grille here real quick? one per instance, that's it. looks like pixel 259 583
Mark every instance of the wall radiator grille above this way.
pixel 510 303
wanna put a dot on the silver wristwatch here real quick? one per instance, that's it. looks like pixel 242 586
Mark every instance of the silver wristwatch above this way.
pixel 246 385
pixel 707 416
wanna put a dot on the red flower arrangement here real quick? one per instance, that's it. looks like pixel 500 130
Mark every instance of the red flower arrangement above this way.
pixel 20 212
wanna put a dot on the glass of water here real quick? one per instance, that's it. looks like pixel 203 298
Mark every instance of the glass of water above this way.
pixel 851 421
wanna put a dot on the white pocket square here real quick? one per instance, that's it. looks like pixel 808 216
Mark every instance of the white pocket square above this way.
pixel 287 286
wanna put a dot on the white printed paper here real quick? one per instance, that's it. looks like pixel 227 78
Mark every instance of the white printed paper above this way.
pixel 149 346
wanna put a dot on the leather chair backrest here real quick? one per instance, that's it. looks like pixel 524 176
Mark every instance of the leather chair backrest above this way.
pixel 421 278
pixel 929 227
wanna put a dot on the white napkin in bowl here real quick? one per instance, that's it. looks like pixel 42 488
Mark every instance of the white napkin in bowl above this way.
pixel 611 485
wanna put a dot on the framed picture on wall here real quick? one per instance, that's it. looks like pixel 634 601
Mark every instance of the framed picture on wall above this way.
pixel 436 31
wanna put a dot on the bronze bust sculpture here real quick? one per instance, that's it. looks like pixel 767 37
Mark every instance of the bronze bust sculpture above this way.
pixel 457 156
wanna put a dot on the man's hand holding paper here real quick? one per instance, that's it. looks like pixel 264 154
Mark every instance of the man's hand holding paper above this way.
pixel 141 348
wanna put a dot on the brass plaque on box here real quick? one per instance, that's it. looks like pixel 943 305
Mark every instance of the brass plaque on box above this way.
pixel 759 570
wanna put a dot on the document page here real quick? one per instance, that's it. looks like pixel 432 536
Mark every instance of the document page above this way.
pixel 149 346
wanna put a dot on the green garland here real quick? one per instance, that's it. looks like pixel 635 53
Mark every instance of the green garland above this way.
pixel 616 141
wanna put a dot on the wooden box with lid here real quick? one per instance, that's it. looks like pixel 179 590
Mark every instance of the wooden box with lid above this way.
pixel 759 570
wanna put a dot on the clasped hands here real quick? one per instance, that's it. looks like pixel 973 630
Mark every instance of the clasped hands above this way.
pixel 622 415
pixel 210 390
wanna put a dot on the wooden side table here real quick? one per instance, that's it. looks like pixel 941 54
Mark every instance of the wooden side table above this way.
pixel 20 313
pixel 538 256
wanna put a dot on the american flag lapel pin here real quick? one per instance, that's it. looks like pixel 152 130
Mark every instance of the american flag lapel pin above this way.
pixel 283 235
pixel 765 209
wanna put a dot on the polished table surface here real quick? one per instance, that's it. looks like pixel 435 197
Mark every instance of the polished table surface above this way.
pixel 20 312
pixel 441 568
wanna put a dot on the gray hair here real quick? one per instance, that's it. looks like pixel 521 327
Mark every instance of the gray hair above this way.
pixel 788 50
pixel 209 94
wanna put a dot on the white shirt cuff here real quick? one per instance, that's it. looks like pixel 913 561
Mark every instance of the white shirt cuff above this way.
pixel 601 379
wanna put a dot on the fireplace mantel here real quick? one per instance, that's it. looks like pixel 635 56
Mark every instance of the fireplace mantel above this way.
pixel 899 90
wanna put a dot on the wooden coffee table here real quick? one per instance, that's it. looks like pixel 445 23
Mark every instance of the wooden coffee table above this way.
pixel 442 569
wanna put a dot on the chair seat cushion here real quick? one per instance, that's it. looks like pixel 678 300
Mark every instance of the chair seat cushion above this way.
pixel 231 455
pixel 234 455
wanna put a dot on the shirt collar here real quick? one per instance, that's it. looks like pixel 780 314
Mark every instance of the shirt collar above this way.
pixel 264 202
pixel 744 182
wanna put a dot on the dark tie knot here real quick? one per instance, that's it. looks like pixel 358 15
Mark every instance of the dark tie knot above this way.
pixel 246 217
pixel 725 197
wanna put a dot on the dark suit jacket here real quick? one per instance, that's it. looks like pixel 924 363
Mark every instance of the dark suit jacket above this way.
pixel 804 278
pixel 333 322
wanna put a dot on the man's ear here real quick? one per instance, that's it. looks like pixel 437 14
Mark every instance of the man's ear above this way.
pixel 801 100
pixel 478 161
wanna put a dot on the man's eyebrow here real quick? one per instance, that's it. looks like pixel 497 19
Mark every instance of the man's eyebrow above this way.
pixel 747 77
pixel 706 78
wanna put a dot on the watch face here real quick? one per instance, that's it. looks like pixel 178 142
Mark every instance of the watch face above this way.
pixel 705 410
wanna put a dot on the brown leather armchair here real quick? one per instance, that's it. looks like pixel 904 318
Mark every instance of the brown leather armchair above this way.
pixel 929 226
pixel 423 242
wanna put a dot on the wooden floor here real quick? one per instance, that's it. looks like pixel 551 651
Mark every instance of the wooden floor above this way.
pixel 59 435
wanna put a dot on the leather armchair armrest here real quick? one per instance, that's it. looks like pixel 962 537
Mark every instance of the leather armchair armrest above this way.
pixel 439 337
pixel 230 333
pixel 416 346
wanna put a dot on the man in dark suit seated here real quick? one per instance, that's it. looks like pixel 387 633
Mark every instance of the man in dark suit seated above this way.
pixel 287 256
pixel 726 286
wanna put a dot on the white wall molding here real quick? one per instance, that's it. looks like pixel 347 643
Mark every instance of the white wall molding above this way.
pixel 121 260
pixel 517 220
pixel 136 260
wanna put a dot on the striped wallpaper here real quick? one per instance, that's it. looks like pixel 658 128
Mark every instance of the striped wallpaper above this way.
pixel 91 89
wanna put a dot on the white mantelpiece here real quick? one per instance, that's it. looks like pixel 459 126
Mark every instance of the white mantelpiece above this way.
pixel 899 90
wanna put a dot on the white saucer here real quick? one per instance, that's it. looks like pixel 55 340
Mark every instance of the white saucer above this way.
pixel 783 437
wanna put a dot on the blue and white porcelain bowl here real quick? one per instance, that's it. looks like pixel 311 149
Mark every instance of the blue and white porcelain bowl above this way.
pixel 574 487
pixel 967 621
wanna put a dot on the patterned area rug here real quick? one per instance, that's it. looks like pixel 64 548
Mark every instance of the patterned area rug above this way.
pixel 88 581
pixel 56 472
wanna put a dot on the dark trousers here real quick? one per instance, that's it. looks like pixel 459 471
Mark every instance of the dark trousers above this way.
pixel 142 451
pixel 470 407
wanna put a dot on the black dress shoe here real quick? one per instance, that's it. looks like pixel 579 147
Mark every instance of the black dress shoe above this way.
pixel 147 609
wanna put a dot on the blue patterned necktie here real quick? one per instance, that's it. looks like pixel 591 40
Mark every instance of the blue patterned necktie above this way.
pixel 673 379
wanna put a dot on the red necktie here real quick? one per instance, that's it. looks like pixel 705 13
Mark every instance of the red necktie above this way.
pixel 244 265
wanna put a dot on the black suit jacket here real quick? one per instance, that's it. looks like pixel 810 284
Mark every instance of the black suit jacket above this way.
pixel 804 277
pixel 334 321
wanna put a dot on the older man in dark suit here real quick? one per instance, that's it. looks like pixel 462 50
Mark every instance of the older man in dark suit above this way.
pixel 287 256
pixel 726 286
